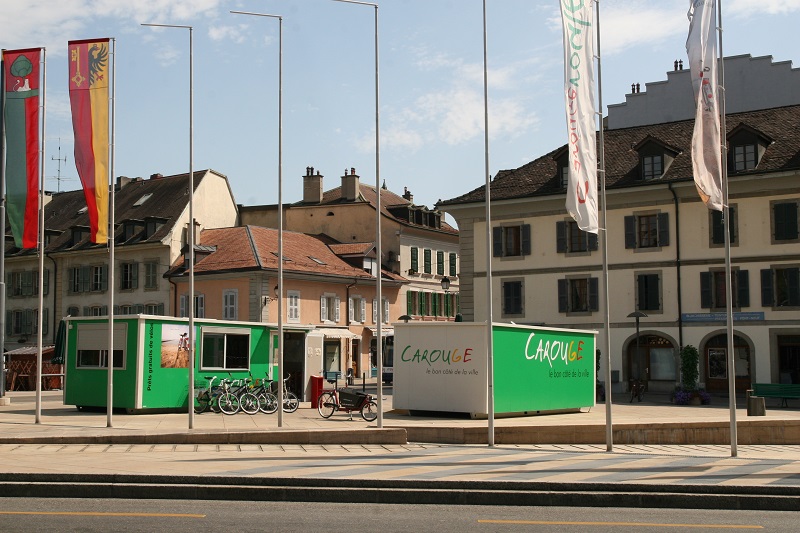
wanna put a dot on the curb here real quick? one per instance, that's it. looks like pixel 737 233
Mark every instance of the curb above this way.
pixel 401 491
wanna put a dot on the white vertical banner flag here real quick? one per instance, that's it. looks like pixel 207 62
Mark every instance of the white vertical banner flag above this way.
pixel 577 17
pixel 706 146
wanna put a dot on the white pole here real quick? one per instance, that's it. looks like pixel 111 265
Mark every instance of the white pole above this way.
pixel 190 364
pixel 726 229
pixel 489 318
pixel 41 244
pixel 110 357
pixel 378 251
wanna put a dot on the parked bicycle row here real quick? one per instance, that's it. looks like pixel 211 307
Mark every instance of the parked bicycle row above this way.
pixel 249 395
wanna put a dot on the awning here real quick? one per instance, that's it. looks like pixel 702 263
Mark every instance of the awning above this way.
pixel 336 333
pixel 384 331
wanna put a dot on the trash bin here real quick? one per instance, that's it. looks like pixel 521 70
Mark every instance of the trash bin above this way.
pixel 317 384
pixel 755 405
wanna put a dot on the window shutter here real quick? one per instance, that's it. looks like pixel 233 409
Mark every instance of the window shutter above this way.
pixel 440 263
pixel 71 286
pixel 717 228
pixel 497 242
pixel 435 304
pixel 562 296
pixel 323 309
pixel 592 242
pixel 630 232
pixel 561 237
pixel 385 311
pixel 453 264
pixel 743 288
pixel 85 277
pixel 351 312
pixel 594 300
pixel 45 322
pixel 183 312
pixel 415 259
pixel 785 221
pixel 767 296
pixel 337 304
pixel 116 309
pixel 410 303
pixel 363 307
pixel 705 290
pixel 8 323
pixel 87 311
pixel 427 258
pixel 793 286
pixel 28 324
pixel 46 282
pixel 134 275
pixel 104 310
pixel 374 311
pixel 526 239
pixel 104 278
pixel 732 226
pixel 27 284
pixel 641 291
pixel 160 309
pixel 663 229
pixel 138 309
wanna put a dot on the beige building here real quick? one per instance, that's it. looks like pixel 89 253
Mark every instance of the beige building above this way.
pixel 665 248
pixel 416 243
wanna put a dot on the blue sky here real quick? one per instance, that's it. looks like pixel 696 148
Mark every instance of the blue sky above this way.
pixel 431 82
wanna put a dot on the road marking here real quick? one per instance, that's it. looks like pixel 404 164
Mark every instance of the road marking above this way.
pixel 624 524
pixel 80 513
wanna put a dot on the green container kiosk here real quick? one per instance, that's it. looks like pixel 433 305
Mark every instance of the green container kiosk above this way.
pixel 442 367
pixel 151 358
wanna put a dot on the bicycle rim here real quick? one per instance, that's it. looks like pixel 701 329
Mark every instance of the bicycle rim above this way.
pixel 229 404
pixel 290 403
pixel 268 403
pixel 369 411
pixel 326 405
pixel 248 402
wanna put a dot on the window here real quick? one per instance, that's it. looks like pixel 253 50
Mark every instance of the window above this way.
pixel 225 349
pixel 717 225
pixel 293 306
pixel 511 241
pixel 92 345
pixel 578 295
pixel 329 308
pixel 99 279
pixel 647 231
pixel 713 289
pixel 571 239
pixel 648 292
pixel 199 305
pixel 744 157
pixel 125 310
pixel 453 268
pixel 81 278
pixel 440 263
pixel 564 176
pixel 151 275
pixel 427 258
pixel 784 222
pixel 513 298
pixel 128 276
pixel 414 259
pixel 154 309
pixel 652 166
pixel 230 302
pixel 384 316
pixel 780 287
pixel 357 309
pixel 73 310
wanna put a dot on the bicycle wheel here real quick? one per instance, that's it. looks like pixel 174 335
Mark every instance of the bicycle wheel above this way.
pixel 290 403
pixel 326 404
pixel 228 403
pixel 201 405
pixel 267 403
pixel 248 402
pixel 369 411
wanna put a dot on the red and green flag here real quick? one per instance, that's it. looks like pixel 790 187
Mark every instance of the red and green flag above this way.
pixel 88 96
pixel 21 124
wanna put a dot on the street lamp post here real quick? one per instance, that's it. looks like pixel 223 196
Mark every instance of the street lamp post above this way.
pixel 378 295
pixel 279 287
pixel 190 362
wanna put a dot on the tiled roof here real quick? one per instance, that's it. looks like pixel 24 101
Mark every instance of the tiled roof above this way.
pixel 353 248
pixel 541 177
pixel 168 197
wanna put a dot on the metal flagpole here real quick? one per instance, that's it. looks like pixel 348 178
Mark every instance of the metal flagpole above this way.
pixel 39 332
pixel 489 317
pixel 726 228
pixel 604 231
pixel 110 356
pixel 3 221
pixel 280 206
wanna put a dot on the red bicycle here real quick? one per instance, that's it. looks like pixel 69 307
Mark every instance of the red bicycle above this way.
pixel 347 400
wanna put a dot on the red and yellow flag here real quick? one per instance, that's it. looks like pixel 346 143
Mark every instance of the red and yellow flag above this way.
pixel 88 96
pixel 21 124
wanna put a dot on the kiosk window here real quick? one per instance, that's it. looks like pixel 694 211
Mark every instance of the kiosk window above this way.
pixel 98 359
pixel 228 351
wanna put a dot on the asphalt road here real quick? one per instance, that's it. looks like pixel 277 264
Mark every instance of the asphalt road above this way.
pixel 42 515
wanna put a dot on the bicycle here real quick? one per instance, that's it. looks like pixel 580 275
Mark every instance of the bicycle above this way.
pixel 267 401
pixel 208 398
pixel 347 400
pixel 290 401
pixel 239 399
pixel 637 387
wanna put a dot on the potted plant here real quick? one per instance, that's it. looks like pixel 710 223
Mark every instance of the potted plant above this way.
pixel 688 392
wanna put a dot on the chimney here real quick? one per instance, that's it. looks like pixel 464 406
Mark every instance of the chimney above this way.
pixel 407 195
pixel 156 176
pixel 312 187
pixel 123 181
pixel 350 186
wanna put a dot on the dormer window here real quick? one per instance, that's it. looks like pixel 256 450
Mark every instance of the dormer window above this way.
pixel 564 176
pixel 652 167
pixel 744 157
pixel 747 147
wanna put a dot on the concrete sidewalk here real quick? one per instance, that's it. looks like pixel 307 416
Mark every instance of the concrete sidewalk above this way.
pixel 74 454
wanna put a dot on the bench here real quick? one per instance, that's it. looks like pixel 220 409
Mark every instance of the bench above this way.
pixel 784 391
